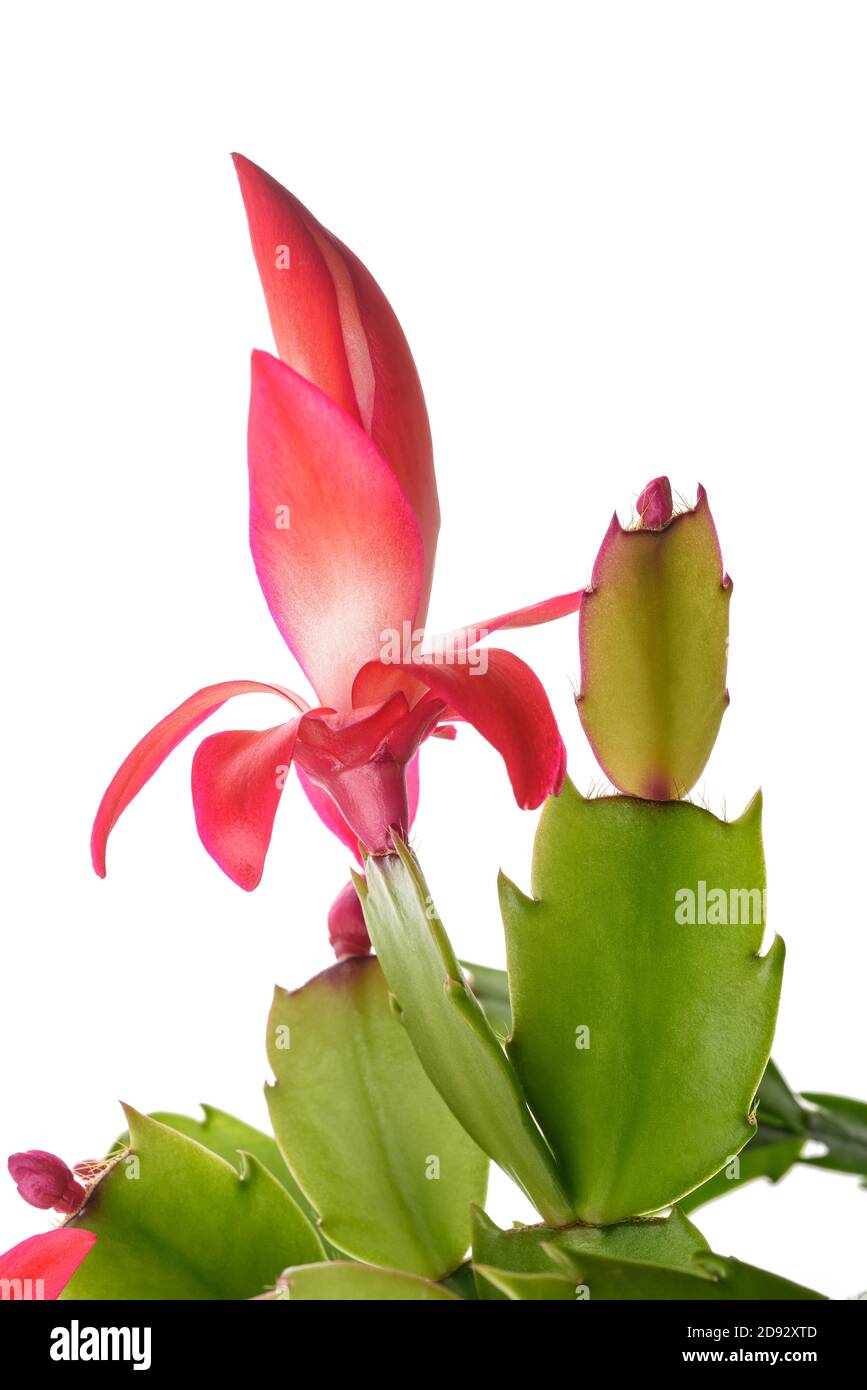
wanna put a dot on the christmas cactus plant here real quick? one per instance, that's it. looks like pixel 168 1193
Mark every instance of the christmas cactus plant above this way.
pixel 619 1071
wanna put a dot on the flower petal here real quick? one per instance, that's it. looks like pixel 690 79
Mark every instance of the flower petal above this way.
pixel 360 760
pixel 154 748
pixel 334 326
pixel 326 808
pixel 375 680
pixel 546 611
pixel 52 1258
pixel 336 545
pixel 508 706
pixel 300 290
pixel 238 777
pixel 413 786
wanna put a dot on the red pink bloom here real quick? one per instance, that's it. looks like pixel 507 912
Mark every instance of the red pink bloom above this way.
pixel 343 529
pixel 41 1266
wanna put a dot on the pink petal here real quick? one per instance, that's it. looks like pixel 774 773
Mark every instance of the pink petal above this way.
pixel 546 611
pixel 327 811
pixel 360 760
pixel 52 1258
pixel 334 326
pixel 336 545
pixel 350 737
pixel 508 706
pixel 326 808
pixel 374 681
pixel 238 778
pixel 413 786
pixel 300 290
pixel 154 748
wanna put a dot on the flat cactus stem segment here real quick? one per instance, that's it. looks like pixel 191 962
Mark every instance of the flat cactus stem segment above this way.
pixel 654 645
pixel 372 1145
pixel 585 1276
pixel 343 1281
pixel 174 1221
pixel 643 1013
pixel 228 1137
pixel 711 1278
pixel 454 1040
pixel 669 1240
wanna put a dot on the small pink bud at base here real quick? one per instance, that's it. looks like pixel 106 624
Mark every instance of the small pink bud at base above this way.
pixel 347 930
pixel 44 1181
pixel 654 504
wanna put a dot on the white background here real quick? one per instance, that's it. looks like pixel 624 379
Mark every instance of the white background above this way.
pixel 622 239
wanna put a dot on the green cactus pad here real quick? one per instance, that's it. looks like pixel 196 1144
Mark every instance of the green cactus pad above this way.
pixel 174 1221
pixel 227 1136
pixel 639 1039
pixel 365 1134
pixel 654 637
pixel 454 1040
pixel 588 1277
pixel 342 1281
pixel 670 1240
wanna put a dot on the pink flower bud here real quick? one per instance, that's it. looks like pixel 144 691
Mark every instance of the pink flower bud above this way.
pixel 44 1181
pixel 654 504
pixel 347 931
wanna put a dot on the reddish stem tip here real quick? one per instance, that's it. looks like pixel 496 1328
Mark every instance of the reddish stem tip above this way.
pixel 654 504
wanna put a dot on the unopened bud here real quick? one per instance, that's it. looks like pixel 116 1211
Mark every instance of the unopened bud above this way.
pixel 44 1181
pixel 654 504
pixel 346 927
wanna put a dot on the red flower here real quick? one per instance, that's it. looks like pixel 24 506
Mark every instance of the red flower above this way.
pixel 343 528
pixel 42 1266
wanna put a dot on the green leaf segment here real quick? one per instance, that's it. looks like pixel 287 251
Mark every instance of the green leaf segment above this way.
pixel 615 1002
pixel 344 1281
pixel 457 1046
pixel 585 1276
pixel 786 1124
pixel 175 1221
pixel 654 642
pixel 367 1137
pixel 640 1040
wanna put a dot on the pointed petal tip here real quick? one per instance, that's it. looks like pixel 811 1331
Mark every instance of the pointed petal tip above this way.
pixel 249 882
pixel 246 169
pixel 262 362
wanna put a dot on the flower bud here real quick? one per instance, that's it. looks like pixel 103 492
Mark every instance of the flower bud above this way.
pixel 654 504
pixel 347 931
pixel 44 1181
